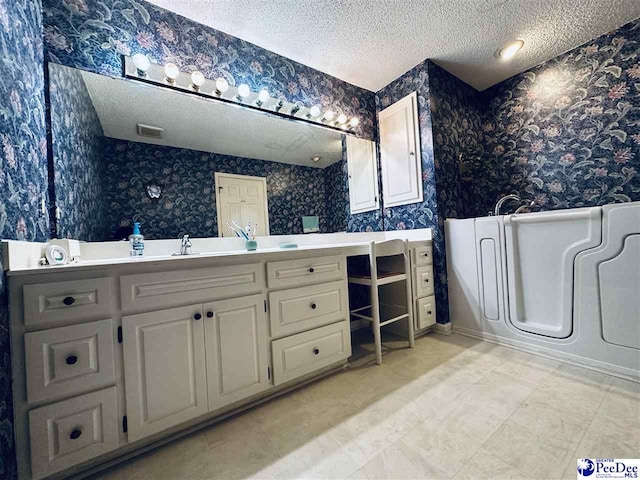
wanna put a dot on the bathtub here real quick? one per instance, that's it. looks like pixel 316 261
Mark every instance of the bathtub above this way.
pixel 564 284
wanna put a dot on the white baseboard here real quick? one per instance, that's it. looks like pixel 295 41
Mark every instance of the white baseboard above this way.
pixel 595 365
pixel 443 328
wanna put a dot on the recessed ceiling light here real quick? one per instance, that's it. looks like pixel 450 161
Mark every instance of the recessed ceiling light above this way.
pixel 508 51
pixel 315 159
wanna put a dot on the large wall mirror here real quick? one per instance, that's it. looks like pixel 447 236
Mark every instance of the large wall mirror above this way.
pixel 180 164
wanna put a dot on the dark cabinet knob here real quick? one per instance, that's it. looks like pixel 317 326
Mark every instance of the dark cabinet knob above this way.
pixel 209 314
pixel 197 316
pixel 313 306
pixel 75 434
pixel 311 270
pixel 69 301
pixel 425 254
pixel 71 360
pixel 316 351
pixel 428 312
pixel 426 280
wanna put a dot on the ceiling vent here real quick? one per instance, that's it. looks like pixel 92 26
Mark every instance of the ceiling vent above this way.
pixel 149 131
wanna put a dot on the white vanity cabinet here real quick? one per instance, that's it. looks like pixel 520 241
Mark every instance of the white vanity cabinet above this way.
pixel 400 156
pixel 164 369
pixel 236 346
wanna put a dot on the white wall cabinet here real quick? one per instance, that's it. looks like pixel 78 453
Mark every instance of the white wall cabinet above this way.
pixel 236 344
pixel 363 175
pixel 164 369
pixel 400 155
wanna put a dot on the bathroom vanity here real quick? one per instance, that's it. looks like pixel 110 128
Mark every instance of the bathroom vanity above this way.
pixel 114 355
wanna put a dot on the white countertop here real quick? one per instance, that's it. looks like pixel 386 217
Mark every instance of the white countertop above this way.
pixel 23 257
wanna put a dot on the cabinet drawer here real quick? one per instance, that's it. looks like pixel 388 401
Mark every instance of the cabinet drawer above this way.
pixel 293 273
pixel 152 291
pixel 426 308
pixel 76 300
pixel 423 281
pixel 301 309
pixel 422 256
pixel 69 360
pixel 67 433
pixel 306 352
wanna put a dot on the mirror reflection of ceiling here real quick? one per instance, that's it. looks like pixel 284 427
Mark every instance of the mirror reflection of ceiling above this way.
pixel 198 124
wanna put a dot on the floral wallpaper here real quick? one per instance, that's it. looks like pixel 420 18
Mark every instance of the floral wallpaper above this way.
pixel 567 133
pixel 78 157
pixel 23 169
pixel 336 198
pixel 424 214
pixel 188 202
pixel 91 34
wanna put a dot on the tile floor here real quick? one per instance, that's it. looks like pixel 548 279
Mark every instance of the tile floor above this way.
pixel 453 407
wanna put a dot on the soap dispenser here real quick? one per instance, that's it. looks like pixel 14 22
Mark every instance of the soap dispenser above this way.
pixel 136 239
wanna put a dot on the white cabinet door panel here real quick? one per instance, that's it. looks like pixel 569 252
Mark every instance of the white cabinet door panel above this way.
pixel 164 363
pixel 363 175
pixel 236 349
pixel 400 155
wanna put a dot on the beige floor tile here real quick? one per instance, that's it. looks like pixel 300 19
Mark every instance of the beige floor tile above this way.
pixel 449 441
pixel 611 436
pixel 370 431
pixel 540 456
pixel 528 368
pixel 484 465
pixel 398 462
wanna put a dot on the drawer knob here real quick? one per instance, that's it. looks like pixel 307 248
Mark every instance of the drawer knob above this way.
pixel 425 254
pixel 75 434
pixel 69 301
pixel 197 316
pixel 71 360
pixel 313 306
pixel 428 312
pixel 426 280
pixel 311 270
pixel 209 314
pixel 316 351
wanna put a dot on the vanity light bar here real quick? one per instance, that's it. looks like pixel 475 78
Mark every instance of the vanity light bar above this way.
pixel 139 67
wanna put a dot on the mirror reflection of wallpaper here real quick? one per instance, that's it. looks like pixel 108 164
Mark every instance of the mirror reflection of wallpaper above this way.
pixel 188 203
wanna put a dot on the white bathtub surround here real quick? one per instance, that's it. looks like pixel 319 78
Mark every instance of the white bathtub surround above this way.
pixel 563 284
pixel 111 355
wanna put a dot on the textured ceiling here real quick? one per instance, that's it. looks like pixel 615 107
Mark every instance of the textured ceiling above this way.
pixel 207 126
pixel 369 43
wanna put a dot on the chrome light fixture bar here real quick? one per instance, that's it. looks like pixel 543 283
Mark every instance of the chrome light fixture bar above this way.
pixel 140 68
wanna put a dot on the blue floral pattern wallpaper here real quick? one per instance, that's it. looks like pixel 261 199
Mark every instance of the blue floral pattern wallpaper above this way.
pixel 23 169
pixel 188 202
pixel 78 157
pixel 567 133
pixel 336 198
pixel 424 214
pixel 92 34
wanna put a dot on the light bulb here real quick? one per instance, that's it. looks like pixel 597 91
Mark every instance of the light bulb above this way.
pixel 355 121
pixel 342 119
pixel 142 64
pixel 314 111
pixel 197 80
pixel 508 51
pixel 281 101
pixel 263 96
pixel 329 115
pixel 243 91
pixel 172 72
pixel 221 86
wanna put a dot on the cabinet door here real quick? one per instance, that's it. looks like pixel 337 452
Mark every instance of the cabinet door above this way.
pixel 236 346
pixel 400 157
pixel 164 369
pixel 363 175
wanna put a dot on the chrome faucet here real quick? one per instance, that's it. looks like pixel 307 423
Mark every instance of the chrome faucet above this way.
pixel 504 199
pixel 185 245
